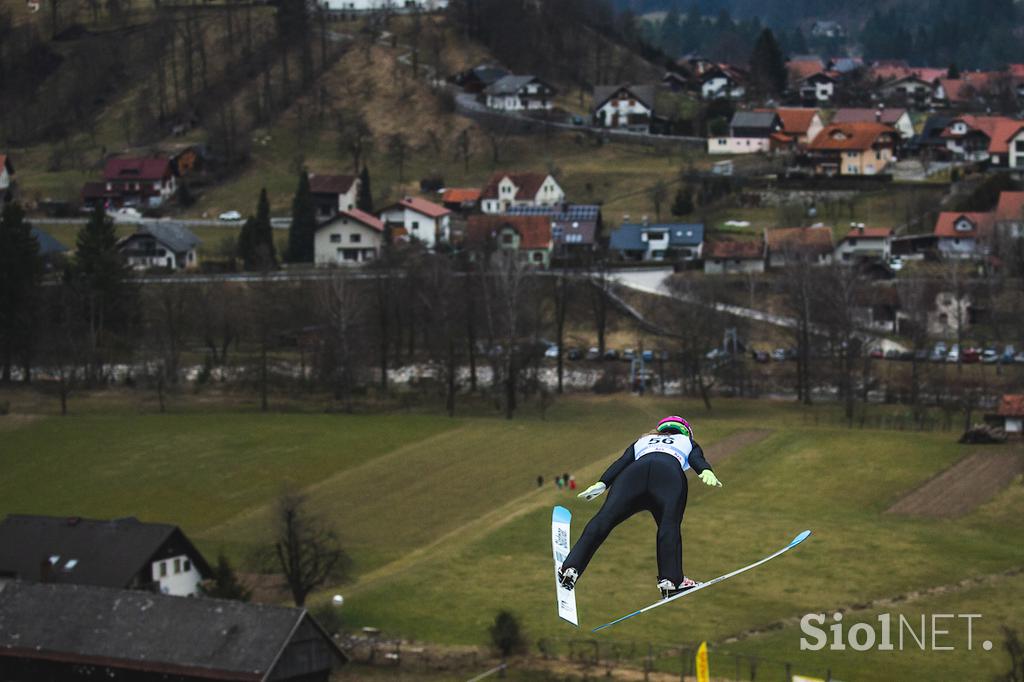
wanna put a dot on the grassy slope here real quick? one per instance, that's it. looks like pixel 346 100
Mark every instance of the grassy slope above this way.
pixel 446 525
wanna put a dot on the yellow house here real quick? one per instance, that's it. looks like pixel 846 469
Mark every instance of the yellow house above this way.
pixel 853 149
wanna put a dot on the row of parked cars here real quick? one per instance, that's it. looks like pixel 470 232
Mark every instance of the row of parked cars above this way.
pixel 594 353
pixel 969 355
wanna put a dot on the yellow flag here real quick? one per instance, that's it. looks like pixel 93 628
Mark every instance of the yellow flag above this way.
pixel 702 663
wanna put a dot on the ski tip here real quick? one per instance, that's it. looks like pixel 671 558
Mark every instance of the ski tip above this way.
pixel 561 514
pixel 800 538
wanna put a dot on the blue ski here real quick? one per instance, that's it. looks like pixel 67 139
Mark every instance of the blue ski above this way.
pixel 564 599
pixel 796 541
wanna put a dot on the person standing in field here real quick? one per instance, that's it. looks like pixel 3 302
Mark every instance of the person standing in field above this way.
pixel 650 475
pixel 572 483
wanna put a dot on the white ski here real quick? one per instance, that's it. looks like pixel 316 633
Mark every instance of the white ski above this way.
pixel 560 520
pixel 796 541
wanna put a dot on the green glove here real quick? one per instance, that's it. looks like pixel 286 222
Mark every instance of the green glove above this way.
pixel 593 491
pixel 709 478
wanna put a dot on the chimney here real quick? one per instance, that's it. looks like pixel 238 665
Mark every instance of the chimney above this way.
pixel 878 116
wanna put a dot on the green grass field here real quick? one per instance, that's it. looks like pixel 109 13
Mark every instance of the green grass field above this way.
pixel 446 525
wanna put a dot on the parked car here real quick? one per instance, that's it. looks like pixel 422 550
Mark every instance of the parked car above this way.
pixel 761 356
pixel 908 355
pixel 1008 353
pixel 551 352
pixel 990 356
pixel 230 216
pixel 877 354
pixel 574 354
pixel 593 353
pixel 611 354
pixel 954 353
pixel 892 354
pixel 921 355
pixel 127 214
pixel 1019 357
pixel 648 356
pixel 939 352
pixel 895 263
pixel 779 354
pixel 716 353
pixel 970 356
pixel 628 354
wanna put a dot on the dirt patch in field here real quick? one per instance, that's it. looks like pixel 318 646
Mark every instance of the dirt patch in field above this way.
pixel 10 422
pixel 719 450
pixel 962 487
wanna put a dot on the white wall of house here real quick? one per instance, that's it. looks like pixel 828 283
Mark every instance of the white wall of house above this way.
pixel 616 113
pixel 5 178
pixel 1014 425
pixel 942 319
pixel 821 91
pixel 738 145
pixel 347 201
pixel 345 241
pixel 719 87
pixel 176 576
pixel 426 229
pixel 815 127
pixel 378 5
pixel 550 193
pixel 728 266
pixel 958 247
pixel 904 126
pixel 1016 151
pixel 852 249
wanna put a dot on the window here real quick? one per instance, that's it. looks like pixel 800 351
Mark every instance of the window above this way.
pixel 177 566
pixel 350 254
pixel 355 238
pixel 335 238
pixel 186 565
pixel 507 239
pixel 1019 146
pixel 415 224
pixel 163 569
pixel 538 257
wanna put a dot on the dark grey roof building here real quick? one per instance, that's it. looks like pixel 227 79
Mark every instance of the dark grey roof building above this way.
pixel 75 632
pixel 160 244
pixel 123 553
pixel 754 123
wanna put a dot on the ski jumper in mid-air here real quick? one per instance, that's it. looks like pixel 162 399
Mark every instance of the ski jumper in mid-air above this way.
pixel 648 476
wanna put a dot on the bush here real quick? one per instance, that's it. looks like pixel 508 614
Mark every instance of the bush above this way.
pixel 507 635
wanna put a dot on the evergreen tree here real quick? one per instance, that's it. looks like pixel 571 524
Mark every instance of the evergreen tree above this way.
pixel 683 203
pixel 21 269
pixel 767 67
pixel 303 228
pixel 225 583
pixel 364 200
pixel 256 242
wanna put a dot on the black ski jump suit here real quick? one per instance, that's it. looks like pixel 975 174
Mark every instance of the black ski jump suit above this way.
pixel 655 482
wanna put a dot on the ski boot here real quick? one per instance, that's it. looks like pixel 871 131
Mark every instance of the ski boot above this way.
pixel 567 578
pixel 670 589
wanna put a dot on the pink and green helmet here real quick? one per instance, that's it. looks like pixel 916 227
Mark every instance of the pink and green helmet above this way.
pixel 675 423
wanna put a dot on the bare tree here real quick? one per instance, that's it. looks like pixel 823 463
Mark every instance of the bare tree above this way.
pixel 307 548
pixel 442 305
pixel 341 307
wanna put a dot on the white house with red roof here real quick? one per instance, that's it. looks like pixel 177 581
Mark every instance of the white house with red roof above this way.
pixel 963 235
pixel 800 124
pixel 506 190
pixel 863 243
pixel 895 117
pixel 986 138
pixel 147 182
pixel 349 238
pixel 422 220
pixel 1011 413
pixel 333 193
pixel 1009 215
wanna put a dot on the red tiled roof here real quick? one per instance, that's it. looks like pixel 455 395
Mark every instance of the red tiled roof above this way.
pixel 945 224
pixel 802 68
pixel 850 136
pixel 868 233
pixel 534 230
pixel 929 74
pixel 330 184
pixel 1011 405
pixel 890 70
pixel 1010 206
pixel 460 195
pixel 864 115
pixel 365 218
pixel 796 121
pixel 998 129
pixel 127 168
pixel 806 239
pixel 970 82
pixel 735 250
pixel 527 184
pixel 422 206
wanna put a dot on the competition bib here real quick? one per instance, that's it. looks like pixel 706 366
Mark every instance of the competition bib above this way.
pixel 678 446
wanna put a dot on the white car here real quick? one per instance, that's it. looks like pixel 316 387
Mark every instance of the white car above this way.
pixel 125 215
pixel 551 352
pixel 230 216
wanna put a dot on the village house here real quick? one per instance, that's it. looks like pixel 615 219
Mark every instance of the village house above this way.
pixel 75 633
pixel 864 244
pixel 826 28
pixel 1009 215
pixel 787 246
pixel 349 238
pixel 800 124
pixel 728 257
pixel 963 235
pixel 749 132
pixel 161 244
pixel 949 315
pixel 505 190
pixel 526 237
pixel 519 93
pixel 658 241
pixel 970 91
pixel 800 66
pixel 333 194
pixel 143 182
pixel 899 119
pixel 818 89
pixel 575 228
pixel 462 199
pixel 1009 415
pixel 478 78
pixel 723 81
pixel 852 149
pixel 909 91
pixel 6 177
pixel 625 107
pixel 354 6
pixel 123 553
pixel 422 220
pixel 50 250
pixel 986 138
